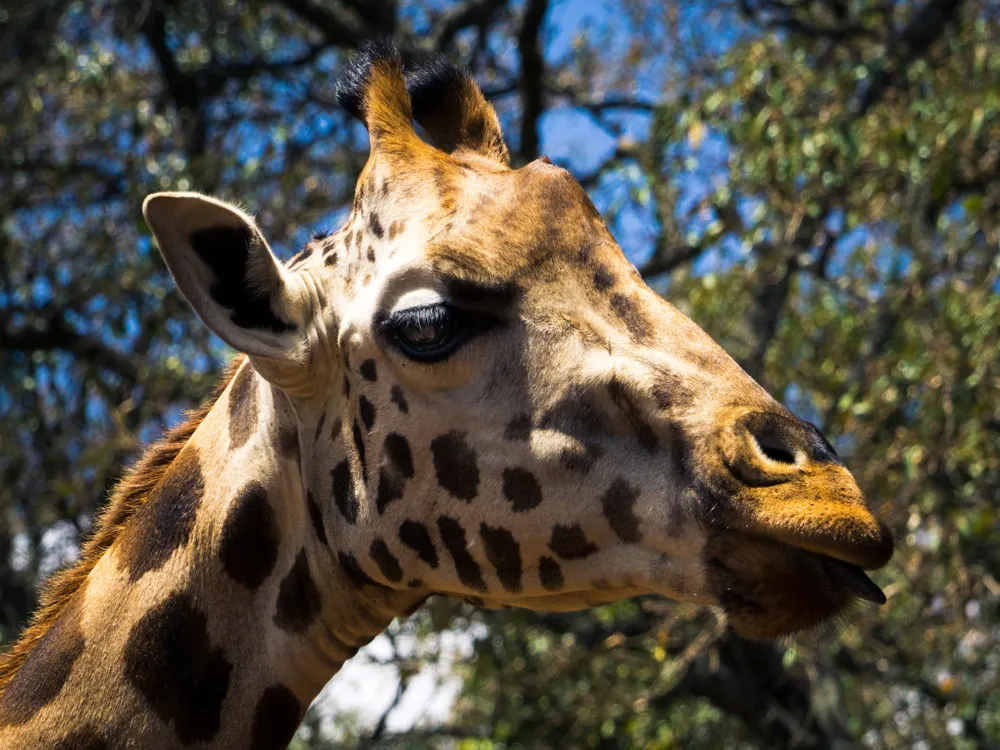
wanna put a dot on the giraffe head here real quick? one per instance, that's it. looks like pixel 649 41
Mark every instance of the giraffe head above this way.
pixel 492 404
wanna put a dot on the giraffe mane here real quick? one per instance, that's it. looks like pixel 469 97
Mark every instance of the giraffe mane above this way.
pixel 129 494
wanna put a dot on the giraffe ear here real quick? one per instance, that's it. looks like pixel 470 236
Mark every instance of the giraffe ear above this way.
pixel 226 271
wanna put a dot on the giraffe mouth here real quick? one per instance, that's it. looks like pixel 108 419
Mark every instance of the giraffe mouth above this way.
pixel 770 588
pixel 852 578
pixel 843 574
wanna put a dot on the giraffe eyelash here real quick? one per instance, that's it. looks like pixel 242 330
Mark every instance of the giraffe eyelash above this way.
pixel 458 326
pixel 425 315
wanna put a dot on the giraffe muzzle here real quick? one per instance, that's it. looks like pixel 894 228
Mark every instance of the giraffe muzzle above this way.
pixel 792 488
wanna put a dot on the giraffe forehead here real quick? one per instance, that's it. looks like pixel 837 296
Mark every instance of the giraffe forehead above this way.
pixel 468 213
pixel 527 221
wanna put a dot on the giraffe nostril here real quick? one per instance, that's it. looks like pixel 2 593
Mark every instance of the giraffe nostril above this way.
pixel 776 453
pixel 784 439
pixel 776 437
pixel 769 448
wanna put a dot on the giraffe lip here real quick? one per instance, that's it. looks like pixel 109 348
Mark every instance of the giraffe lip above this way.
pixel 852 578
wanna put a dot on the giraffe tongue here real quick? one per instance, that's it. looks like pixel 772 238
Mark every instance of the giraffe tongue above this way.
pixel 855 580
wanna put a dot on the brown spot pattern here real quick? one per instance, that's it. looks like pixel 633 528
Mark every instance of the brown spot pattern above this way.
pixel 632 316
pixel 397 468
pixel 242 406
pixel 369 371
pixel 164 522
pixel 618 506
pixel 298 601
pixel 669 392
pixel 40 678
pixel 316 517
pixel 519 428
pixel 453 536
pixel 570 543
pixel 170 660
pixel 354 571
pixel 386 561
pixel 603 279
pixel 522 489
pixel 550 574
pixel 86 738
pixel 288 444
pixel 359 446
pixel 367 411
pixel 397 397
pixel 343 492
pixel 249 546
pixel 319 426
pixel 416 536
pixel 275 719
pixel 504 553
pixel 455 465
pixel 642 429
pixel 580 458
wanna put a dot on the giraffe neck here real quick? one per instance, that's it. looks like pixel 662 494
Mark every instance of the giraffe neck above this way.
pixel 222 607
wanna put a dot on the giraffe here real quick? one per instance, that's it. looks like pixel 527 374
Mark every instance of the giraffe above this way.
pixel 468 391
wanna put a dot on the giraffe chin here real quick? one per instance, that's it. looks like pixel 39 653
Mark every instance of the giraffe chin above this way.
pixel 769 589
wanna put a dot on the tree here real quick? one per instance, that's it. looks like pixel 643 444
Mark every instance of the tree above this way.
pixel 816 183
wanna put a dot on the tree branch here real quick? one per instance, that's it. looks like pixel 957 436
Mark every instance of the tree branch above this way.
pixel 340 29
pixel 29 29
pixel 669 259
pixel 770 303
pixel 925 28
pixel 379 729
pixel 624 151
pixel 748 681
pixel 380 15
pixel 783 15
pixel 672 249
pixel 213 80
pixel 459 17
pixel 58 336
pixel 532 75
pixel 181 87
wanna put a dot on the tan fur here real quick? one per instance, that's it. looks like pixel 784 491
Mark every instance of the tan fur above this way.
pixel 387 109
pixel 129 494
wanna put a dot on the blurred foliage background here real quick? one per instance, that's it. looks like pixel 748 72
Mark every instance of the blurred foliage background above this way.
pixel 816 182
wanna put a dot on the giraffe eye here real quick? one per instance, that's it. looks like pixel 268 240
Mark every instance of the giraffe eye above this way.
pixel 427 334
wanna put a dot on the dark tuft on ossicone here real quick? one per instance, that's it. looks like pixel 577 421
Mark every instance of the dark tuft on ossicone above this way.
pixel 433 82
pixel 352 84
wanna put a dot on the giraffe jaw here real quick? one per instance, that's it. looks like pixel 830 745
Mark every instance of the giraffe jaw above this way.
pixel 769 588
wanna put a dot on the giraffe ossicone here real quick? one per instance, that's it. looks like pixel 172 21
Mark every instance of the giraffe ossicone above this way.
pixel 467 390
